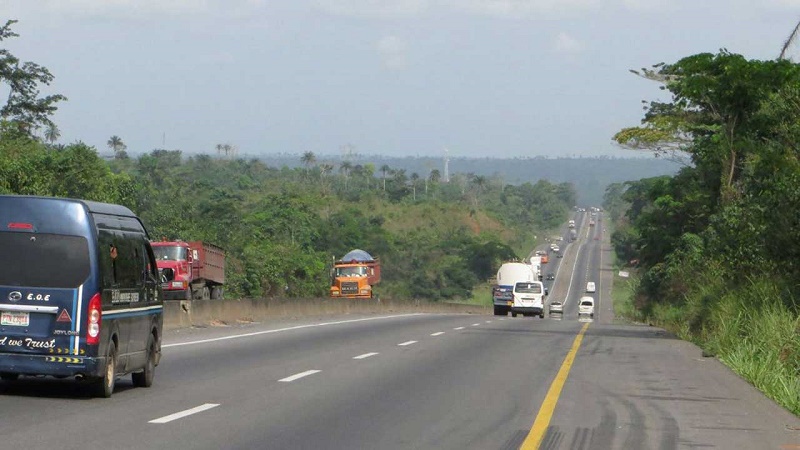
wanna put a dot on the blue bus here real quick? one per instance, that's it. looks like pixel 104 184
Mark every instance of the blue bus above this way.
pixel 79 292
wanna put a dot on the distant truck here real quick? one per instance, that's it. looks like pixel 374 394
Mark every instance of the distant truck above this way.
pixel 536 266
pixel 190 270
pixel 355 275
pixel 518 290
pixel 573 235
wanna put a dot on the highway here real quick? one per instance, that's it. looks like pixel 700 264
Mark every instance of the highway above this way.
pixel 418 381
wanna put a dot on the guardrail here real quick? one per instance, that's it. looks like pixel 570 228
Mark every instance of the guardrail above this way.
pixel 190 313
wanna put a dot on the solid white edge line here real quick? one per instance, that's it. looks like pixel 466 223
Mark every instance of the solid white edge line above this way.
pixel 182 414
pixel 438 333
pixel 365 355
pixel 459 328
pixel 298 327
pixel 407 343
pixel 297 376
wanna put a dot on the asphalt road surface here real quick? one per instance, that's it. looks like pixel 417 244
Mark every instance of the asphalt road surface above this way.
pixel 417 381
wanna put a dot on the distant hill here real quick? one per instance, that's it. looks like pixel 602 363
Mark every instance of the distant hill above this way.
pixel 589 175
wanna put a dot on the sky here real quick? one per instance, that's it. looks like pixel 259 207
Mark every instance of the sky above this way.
pixel 496 78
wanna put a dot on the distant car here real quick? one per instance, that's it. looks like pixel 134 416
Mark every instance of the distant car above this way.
pixel 551 276
pixel 556 307
pixel 559 255
pixel 561 238
pixel 586 307
pixel 555 248
pixel 590 287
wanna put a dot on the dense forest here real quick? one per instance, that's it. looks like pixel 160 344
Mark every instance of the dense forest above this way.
pixel 717 246
pixel 589 175
pixel 282 227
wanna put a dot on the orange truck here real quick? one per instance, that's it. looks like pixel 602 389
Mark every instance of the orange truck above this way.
pixel 355 275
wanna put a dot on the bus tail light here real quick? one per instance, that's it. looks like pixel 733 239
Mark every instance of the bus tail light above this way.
pixel 94 320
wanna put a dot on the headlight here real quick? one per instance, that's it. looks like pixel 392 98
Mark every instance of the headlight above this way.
pixel 365 291
pixel 335 293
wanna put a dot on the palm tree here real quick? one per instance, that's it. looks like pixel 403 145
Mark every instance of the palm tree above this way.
pixel 219 148
pixel 384 170
pixel 116 144
pixel 308 160
pixel 325 168
pixel 345 167
pixel 52 133
pixel 789 41
pixel 414 178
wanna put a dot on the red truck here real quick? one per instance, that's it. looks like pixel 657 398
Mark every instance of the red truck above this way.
pixel 190 270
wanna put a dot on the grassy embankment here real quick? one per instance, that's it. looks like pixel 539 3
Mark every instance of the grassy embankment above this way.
pixel 752 331
pixel 755 331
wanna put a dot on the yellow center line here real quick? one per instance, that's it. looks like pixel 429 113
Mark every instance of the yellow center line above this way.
pixel 542 421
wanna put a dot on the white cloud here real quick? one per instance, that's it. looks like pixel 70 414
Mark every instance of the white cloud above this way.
pixel 135 9
pixel 386 9
pixel 565 43
pixel 374 8
pixel 393 52
pixel 649 5
pixel 523 8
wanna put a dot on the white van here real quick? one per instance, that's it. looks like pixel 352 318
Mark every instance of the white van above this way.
pixel 590 287
pixel 507 276
pixel 586 307
pixel 528 299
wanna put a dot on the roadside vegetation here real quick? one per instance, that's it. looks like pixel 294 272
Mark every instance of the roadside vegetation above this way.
pixel 717 246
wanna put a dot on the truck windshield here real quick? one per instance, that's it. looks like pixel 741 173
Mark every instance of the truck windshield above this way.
pixel 351 271
pixel 170 253
pixel 528 288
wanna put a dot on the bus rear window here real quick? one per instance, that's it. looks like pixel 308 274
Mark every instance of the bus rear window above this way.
pixel 43 260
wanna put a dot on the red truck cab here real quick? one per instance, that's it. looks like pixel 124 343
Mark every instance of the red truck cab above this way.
pixel 190 270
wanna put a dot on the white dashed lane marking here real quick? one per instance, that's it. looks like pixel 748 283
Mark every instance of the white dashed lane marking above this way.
pixel 437 333
pixel 365 355
pixel 403 344
pixel 459 328
pixel 297 376
pixel 182 414
pixel 475 324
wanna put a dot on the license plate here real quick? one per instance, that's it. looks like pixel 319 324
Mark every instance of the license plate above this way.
pixel 19 319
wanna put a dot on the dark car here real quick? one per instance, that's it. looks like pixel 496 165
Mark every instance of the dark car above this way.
pixel 551 276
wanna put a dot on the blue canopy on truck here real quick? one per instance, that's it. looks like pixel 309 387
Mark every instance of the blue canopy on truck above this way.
pixel 357 255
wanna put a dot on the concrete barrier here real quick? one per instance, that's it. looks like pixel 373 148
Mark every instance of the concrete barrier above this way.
pixel 189 313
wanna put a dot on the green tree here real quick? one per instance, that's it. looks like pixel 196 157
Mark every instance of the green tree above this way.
pixel 308 159
pixel 24 106
pixel 52 133
pixel 384 170
pixel 714 100
pixel 115 144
